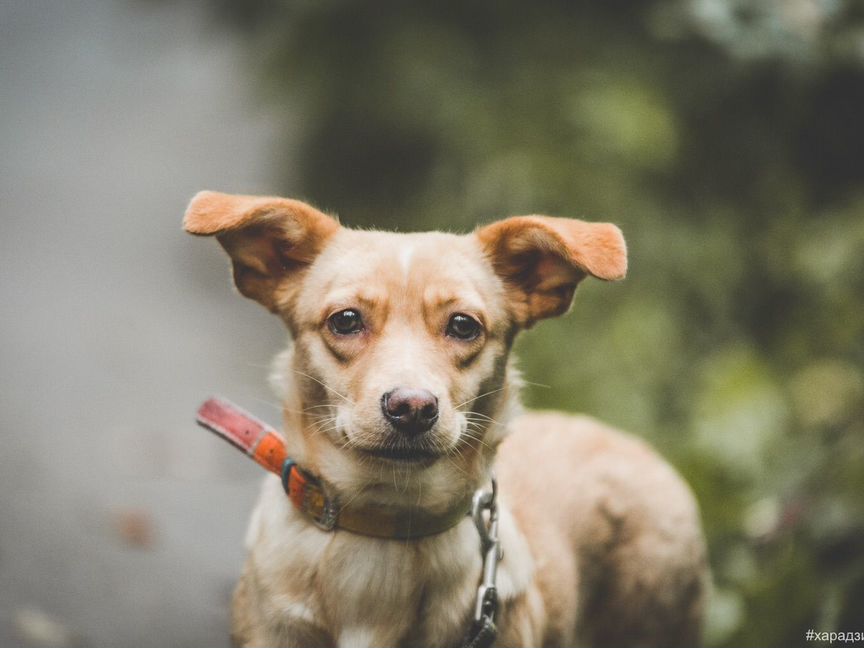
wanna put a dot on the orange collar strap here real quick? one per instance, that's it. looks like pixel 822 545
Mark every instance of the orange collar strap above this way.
pixel 307 493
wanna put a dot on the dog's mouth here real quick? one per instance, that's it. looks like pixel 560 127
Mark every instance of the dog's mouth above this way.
pixel 418 455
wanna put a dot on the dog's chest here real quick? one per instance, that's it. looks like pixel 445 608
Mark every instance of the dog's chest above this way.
pixel 397 593
pixel 364 591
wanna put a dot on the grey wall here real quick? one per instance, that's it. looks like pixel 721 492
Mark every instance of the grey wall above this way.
pixel 121 522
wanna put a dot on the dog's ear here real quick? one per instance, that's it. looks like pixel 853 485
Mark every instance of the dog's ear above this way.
pixel 269 239
pixel 542 259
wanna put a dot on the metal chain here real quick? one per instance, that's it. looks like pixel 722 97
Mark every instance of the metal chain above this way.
pixel 483 630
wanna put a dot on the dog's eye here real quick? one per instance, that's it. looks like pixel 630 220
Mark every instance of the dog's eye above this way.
pixel 345 322
pixel 463 327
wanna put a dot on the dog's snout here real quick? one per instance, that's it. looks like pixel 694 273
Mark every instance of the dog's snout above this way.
pixel 411 411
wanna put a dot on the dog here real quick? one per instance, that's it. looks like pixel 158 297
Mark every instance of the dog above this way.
pixel 400 397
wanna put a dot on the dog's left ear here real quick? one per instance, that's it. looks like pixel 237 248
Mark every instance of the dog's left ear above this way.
pixel 270 240
pixel 542 259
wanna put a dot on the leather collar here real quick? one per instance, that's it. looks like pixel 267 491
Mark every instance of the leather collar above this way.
pixel 308 493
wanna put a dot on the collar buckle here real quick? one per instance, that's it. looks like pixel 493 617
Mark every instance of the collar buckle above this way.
pixel 322 510
pixel 308 495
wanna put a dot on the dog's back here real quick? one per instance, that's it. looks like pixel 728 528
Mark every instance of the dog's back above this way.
pixel 619 551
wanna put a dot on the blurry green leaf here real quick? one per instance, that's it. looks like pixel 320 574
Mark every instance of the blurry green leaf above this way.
pixel 762 517
pixel 827 392
pixel 627 120
pixel 740 411
pixel 725 615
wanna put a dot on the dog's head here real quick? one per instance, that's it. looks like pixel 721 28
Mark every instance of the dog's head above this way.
pixel 399 364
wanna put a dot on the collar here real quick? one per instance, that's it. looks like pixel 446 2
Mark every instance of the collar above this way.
pixel 308 493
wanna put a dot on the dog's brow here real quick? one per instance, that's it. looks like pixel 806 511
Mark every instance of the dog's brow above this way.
pixel 364 297
pixel 442 300
pixel 440 297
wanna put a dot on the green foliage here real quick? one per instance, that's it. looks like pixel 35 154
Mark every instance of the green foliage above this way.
pixel 728 146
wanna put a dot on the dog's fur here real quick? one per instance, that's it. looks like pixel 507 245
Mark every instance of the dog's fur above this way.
pixel 602 541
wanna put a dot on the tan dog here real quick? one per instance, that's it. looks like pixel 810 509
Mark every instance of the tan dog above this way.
pixel 399 397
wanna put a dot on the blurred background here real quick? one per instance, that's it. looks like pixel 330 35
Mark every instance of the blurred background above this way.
pixel 725 137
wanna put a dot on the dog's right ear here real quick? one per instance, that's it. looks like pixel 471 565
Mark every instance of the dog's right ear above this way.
pixel 270 240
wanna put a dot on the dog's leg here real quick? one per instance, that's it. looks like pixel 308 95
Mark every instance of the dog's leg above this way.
pixel 651 591
pixel 647 582
pixel 249 628
pixel 243 619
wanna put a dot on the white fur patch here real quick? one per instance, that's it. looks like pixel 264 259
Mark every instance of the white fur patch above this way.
pixel 517 569
pixel 294 610
pixel 356 637
pixel 405 255
pixel 278 377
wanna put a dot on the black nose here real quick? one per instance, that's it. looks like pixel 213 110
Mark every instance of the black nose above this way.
pixel 411 411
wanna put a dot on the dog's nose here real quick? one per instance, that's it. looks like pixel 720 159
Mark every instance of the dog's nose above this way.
pixel 411 411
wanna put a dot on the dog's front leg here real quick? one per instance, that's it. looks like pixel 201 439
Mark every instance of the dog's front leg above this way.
pixel 286 632
pixel 290 634
pixel 256 623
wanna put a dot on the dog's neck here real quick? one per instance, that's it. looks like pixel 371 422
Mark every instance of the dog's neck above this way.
pixel 327 510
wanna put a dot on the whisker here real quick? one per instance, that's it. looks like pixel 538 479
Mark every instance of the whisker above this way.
pixel 348 444
pixel 470 400
pixel 294 411
pixel 321 426
pixel 473 435
pixel 325 386
pixel 323 417
pixel 482 417
pixel 311 407
pixel 357 493
pixel 323 429
pixel 272 404
pixel 475 444
pixel 536 384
